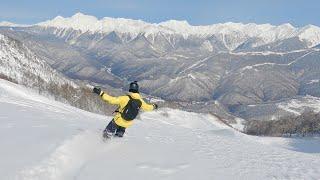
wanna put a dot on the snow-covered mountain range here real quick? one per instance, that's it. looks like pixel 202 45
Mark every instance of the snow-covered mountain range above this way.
pixel 240 32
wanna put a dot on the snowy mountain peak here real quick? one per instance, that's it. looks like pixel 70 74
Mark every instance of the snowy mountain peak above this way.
pixel 287 25
pixel 10 24
pixel 80 15
pixel 58 18
pixel 78 21
pixel 6 23
pixel 84 18
pixel 310 34
pixel 174 24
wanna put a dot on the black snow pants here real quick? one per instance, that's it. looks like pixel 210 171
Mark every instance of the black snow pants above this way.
pixel 114 129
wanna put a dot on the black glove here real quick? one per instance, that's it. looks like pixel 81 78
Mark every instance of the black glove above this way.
pixel 97 90
pixel 155 106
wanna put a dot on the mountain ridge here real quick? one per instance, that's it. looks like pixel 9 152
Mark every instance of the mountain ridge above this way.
pixel 267 33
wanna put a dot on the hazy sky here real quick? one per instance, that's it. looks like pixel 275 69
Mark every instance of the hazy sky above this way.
pixel 196 12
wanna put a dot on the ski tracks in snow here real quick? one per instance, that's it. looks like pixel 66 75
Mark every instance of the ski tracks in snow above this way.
pixel 69 158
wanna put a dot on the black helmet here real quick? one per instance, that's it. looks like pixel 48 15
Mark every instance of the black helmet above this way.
pixel 134 87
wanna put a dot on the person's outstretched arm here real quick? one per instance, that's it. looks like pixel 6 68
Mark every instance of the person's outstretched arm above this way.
pixel 148 107
pixel 106 97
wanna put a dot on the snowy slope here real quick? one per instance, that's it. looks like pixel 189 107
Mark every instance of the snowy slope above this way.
pixel 43 139
pixel 22 65
pixel 298 106
pixel 238 32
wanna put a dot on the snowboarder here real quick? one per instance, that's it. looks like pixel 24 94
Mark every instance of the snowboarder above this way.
pixel 128 109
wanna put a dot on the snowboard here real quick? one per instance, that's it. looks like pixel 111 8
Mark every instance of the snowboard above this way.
pixel 106 137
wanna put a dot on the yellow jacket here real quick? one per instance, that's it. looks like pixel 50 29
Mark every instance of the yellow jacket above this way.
pixel 122 101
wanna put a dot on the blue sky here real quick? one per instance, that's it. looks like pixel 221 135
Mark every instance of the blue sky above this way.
pixel 196 12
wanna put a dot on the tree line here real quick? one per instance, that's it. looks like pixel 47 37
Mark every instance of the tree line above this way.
pixel 307 123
